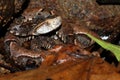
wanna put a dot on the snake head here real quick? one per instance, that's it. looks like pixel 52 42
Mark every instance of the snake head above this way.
pixel 47 26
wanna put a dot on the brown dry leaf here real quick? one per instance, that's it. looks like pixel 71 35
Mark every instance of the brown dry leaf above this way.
pixel 82 69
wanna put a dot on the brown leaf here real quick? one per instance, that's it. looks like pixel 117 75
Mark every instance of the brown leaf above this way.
pixel 82 69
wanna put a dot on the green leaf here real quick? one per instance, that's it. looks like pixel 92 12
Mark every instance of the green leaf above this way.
pixel 115 49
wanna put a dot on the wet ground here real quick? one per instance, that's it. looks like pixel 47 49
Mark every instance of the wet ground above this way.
pixel 63 52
